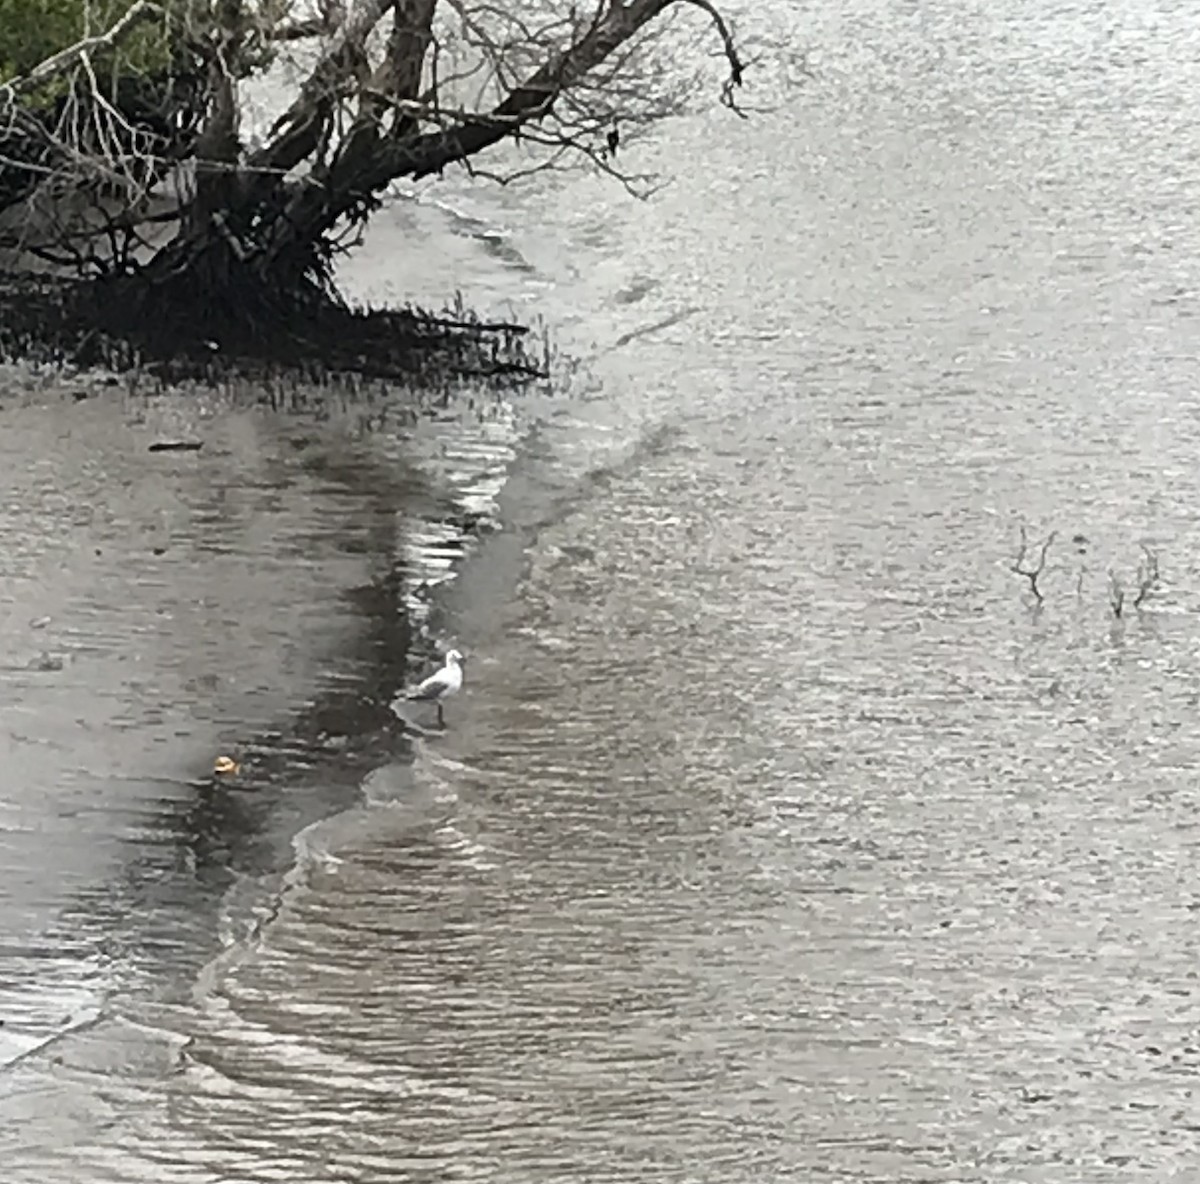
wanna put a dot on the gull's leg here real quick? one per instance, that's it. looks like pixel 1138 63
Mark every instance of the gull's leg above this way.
pixel 441 717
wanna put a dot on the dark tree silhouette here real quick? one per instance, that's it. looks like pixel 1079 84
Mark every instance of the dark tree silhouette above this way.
pixel 150 182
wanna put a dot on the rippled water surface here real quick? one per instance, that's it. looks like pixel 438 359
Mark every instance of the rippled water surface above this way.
pixel 779 834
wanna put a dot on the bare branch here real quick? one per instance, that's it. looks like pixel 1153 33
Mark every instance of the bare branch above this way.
pixel 318 26
pixel 296 132
pixel 1024 565
pixel 532 100
pixel 736 69
pixel 61 62
pixel 638 185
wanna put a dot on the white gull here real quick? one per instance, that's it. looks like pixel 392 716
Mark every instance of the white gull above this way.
pixel 442 684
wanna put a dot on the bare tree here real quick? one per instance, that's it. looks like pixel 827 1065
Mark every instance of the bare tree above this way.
pixel 391 89
pixel 1025 564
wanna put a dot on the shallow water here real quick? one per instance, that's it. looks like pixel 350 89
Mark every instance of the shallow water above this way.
pixel 778 835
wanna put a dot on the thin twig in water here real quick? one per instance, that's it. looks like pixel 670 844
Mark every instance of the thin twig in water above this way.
pixel 1147 574
pixel 1023 564
pixel 1116 593
pixel 1148 580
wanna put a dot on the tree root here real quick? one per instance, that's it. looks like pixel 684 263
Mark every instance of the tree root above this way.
pixel 185 332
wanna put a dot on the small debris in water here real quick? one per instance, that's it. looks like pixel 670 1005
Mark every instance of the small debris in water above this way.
pixel 176 446
pixel 1033 1096
pixel 39 622
pixel 225 766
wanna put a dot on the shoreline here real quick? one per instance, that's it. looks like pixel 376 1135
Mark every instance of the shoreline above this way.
pixel 307 767
pixel 317 338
